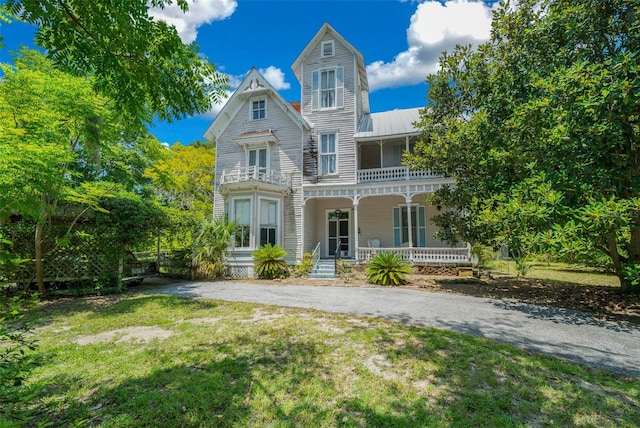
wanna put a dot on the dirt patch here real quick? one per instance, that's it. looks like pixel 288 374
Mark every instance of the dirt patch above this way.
pixel 129 334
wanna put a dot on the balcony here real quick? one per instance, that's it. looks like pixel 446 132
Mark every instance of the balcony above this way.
pixel 392 174
pixel 238 178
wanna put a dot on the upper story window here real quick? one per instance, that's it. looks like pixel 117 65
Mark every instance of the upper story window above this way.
pixel 327 48
pixel 258 159
pixel 328 154
pixel 259 109
pixel 328 88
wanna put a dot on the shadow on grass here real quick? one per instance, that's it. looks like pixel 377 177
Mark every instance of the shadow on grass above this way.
pixel 288 379
pixel 106 306
pixel 507 331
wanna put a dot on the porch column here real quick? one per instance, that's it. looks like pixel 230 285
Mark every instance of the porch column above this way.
pixel 356 229
pixel 406 148
pixel 408 200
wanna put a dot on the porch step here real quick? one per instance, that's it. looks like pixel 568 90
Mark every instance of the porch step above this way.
pixel 324 269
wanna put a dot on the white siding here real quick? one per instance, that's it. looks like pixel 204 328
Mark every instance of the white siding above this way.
pixel 341 120
pixel 284 156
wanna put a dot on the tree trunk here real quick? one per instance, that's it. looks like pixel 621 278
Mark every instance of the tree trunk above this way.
pixel 38 258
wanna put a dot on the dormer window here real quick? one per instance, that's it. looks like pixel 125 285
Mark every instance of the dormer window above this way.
pixel 259 109
pixel 327 48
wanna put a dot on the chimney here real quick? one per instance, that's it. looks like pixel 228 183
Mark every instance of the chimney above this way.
pixel 295 105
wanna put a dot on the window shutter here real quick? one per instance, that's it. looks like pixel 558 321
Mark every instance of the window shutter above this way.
pixel 340 87
pixel 397 227
pixel 422 229
pixel 315 90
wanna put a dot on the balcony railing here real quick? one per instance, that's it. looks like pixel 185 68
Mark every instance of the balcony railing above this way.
pixel 422 256
pixel 391 174
pixel 253 173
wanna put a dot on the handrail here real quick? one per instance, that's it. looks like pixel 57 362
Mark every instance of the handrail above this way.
pixel 336 256
pixel 315 255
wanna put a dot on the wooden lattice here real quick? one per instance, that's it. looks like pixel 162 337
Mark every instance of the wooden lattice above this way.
pixel 73 267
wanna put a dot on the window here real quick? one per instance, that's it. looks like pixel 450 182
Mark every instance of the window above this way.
pixel 327 88
pixel 401 226
pixel 242 217
pixel 257 160
pixel 268 222
pixel 327 48
pixel 328 154
pixel 259 109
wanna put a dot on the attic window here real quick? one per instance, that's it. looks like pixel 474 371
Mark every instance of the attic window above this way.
pixel 259 109
pixel 327 48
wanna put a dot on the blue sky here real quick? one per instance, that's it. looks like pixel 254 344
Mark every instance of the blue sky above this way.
pixel 400 41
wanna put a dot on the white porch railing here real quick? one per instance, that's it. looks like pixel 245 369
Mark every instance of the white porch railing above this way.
pixel 253 173
pixel 422 255
pixel 391 174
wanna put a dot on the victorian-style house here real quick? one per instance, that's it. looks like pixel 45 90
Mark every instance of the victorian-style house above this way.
pixel 324 175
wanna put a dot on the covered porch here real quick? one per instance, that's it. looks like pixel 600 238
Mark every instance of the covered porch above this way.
pixel 364 222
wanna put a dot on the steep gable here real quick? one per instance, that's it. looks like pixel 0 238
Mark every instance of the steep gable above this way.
pixel 325 30
pixel 253 85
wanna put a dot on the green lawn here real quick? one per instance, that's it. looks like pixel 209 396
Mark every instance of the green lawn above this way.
pixel 165 361
pixel 560 272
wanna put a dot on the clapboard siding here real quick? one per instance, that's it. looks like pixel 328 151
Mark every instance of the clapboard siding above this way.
pixel 284 156
pixel 341 120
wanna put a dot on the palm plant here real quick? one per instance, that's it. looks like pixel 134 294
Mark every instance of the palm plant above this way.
pixel 270 263
pixel 387 268
pixel 210 245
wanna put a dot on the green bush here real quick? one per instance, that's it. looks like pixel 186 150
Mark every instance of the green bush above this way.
pixel 179 263
pixel 270 263
pixel 387 269
pixel 305 266
pixel 16 361
pixel 211 244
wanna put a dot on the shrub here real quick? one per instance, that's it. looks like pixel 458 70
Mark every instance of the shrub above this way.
pixel 16 361
pixel 343 267
pixel 211 243
pixel 386 269
pixel 269 262
pixel 305 266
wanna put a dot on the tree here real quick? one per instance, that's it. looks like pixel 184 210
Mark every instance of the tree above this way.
pixel 540 128
pixel 139 63
pixel 54 129
pixel 184 177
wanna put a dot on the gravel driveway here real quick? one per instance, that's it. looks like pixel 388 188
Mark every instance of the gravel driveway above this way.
pixel 568 334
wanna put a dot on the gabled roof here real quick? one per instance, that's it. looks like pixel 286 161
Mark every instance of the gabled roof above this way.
pixel 328 29
pixel 254 84
pixel 388 124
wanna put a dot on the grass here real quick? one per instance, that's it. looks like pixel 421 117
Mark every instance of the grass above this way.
pixel 205 363
pixel 560 272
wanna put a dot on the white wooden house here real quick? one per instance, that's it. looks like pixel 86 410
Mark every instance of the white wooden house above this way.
pixel 325 171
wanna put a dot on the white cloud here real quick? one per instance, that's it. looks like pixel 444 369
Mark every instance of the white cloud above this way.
pixel 275 76
pixel 435 27
pixel 200 12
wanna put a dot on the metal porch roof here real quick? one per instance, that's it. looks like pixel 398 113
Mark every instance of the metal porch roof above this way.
pixel 388 124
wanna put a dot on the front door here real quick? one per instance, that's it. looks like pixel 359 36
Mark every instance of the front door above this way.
pixel 338 227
